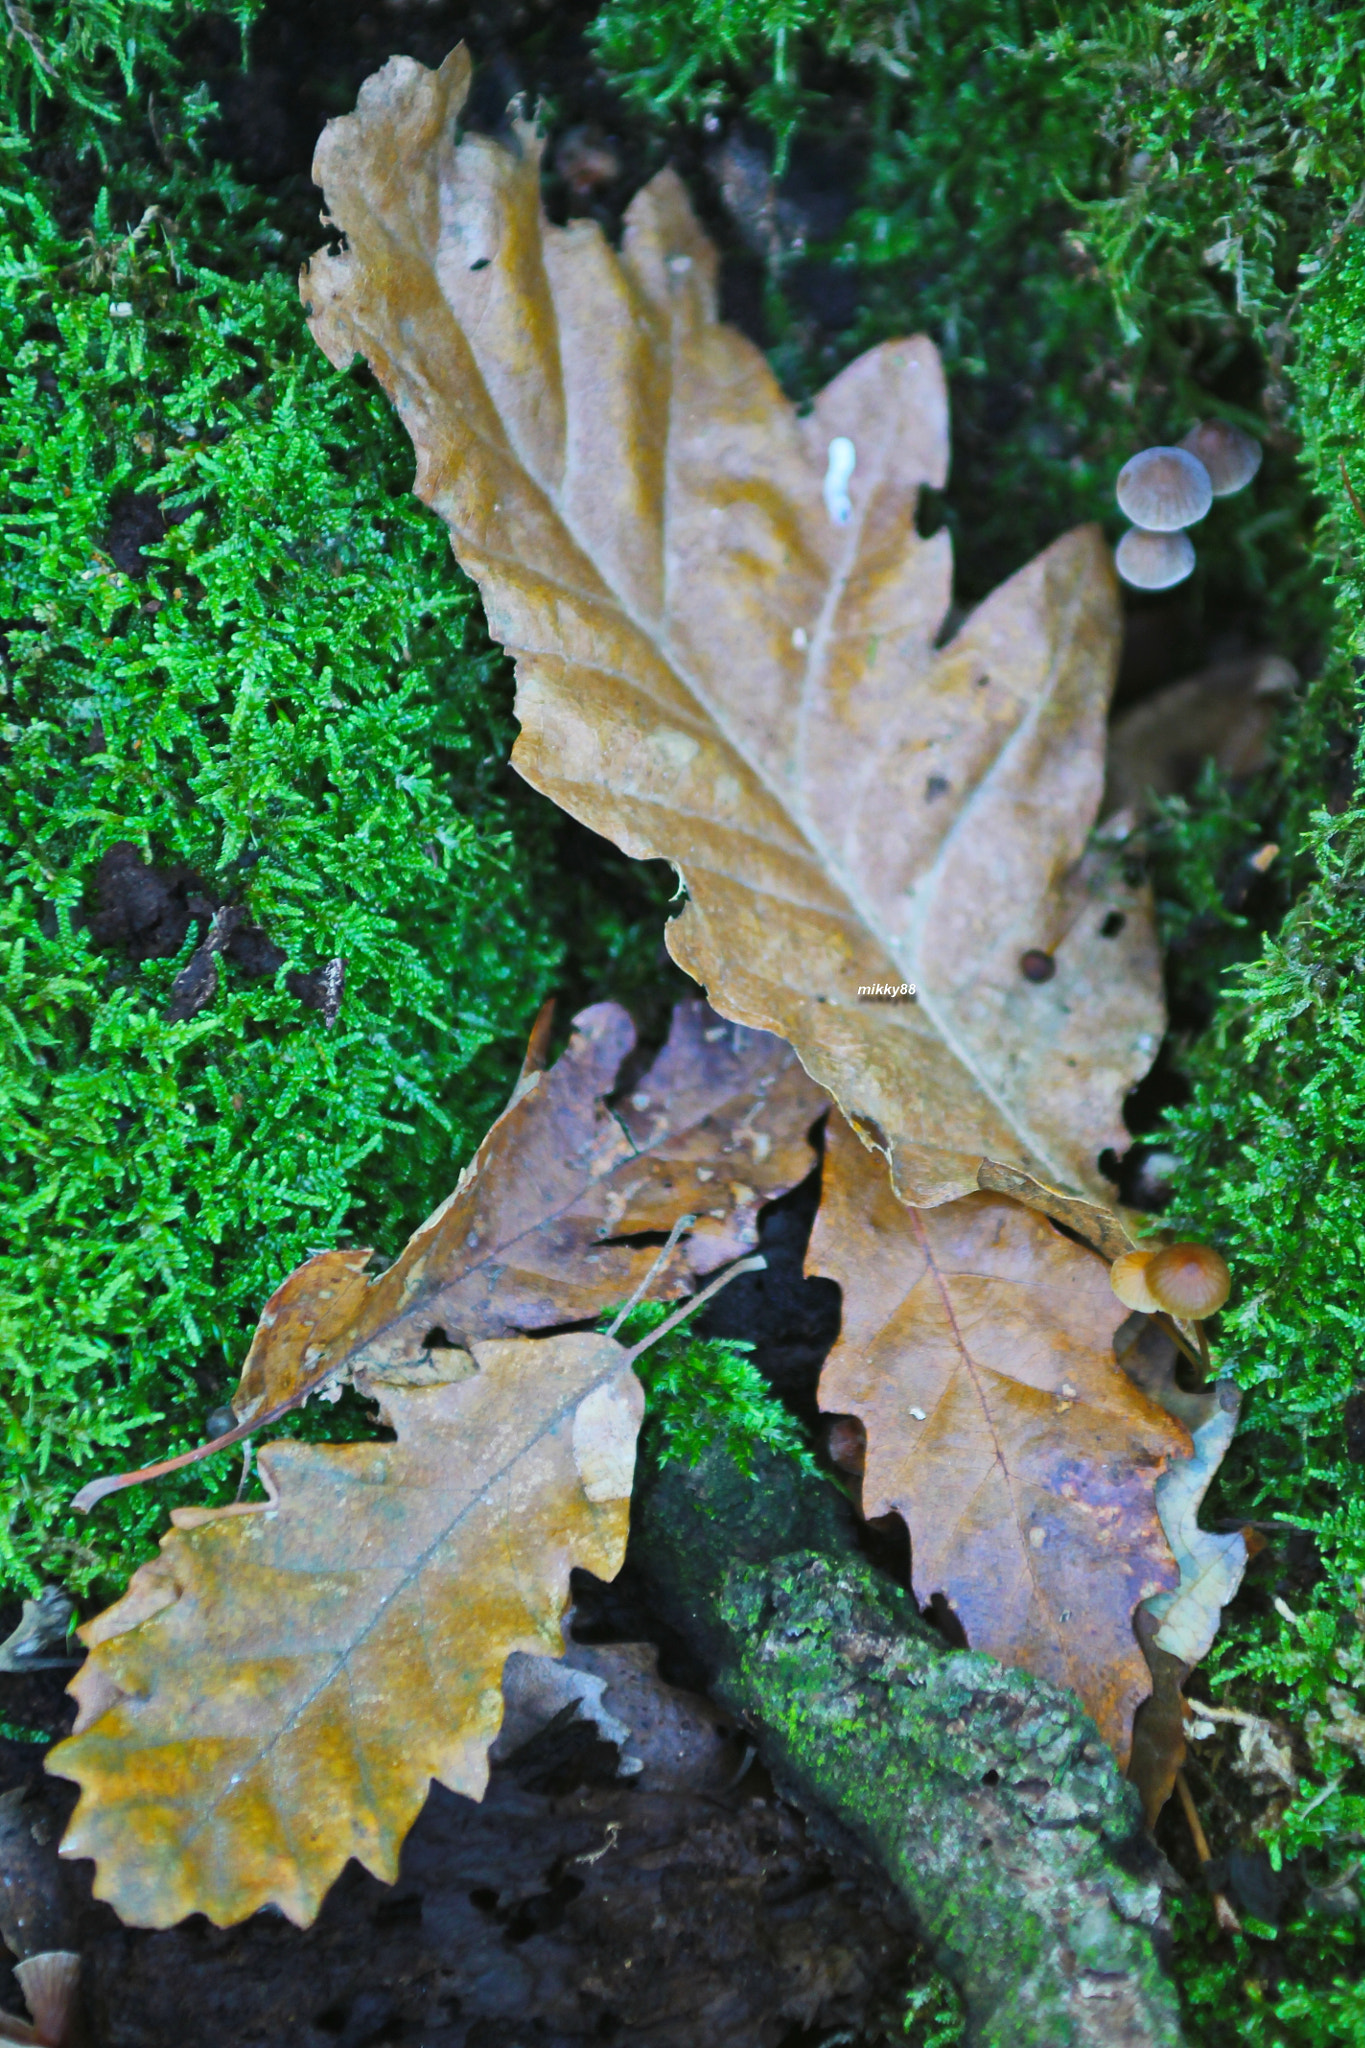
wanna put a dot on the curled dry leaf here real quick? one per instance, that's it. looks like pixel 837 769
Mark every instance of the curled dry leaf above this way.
pixel 725 627
pixel 538 1232
pixel 277 1689
pixel 977 1350
pixel 1176 1629
pixel 1211 1562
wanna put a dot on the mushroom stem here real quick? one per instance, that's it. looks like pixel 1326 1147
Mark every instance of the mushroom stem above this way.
pixel 1222 1907
pixel 1181 1341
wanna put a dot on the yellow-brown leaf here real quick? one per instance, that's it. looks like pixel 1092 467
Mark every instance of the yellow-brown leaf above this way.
pixel 277 1689
pixel 977 1350
pixel 722 662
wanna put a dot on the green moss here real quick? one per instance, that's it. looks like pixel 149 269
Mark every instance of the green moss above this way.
pixel 284 701
pixel 700 1390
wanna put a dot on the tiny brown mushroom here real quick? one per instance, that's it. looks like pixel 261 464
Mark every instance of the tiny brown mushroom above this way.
pixel 1128 1278
pixel 1163 489
pixel 1153 561
pixel 1189 1280
pixel 1231 457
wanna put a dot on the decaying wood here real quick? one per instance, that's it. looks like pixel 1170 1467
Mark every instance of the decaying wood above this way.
pixel 987 1795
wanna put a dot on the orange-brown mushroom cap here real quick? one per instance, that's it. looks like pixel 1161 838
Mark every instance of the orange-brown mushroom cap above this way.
pixel 1190 1280
pixel 1128 1278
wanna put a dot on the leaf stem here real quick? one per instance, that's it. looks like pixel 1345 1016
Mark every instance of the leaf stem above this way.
pixel 683 1223
pixel 756 1264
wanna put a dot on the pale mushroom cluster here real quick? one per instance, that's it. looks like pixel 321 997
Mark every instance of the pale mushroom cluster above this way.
pixel 1164 490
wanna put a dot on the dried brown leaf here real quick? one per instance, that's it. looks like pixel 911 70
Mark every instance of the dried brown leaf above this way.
pixel 277 1689
pixel 727 650
pixel 977 1350
pixel 537 1231
pixel 1176 1629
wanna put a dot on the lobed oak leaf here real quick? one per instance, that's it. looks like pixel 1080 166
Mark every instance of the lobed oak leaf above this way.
pixel 275 1692
pixel 727 630
pixel 977 1351
pixel 544 1224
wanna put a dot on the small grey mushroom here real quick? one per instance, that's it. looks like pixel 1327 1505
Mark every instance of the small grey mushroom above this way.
pixel 1163 489
pixel 1231 457
pixel 1153 561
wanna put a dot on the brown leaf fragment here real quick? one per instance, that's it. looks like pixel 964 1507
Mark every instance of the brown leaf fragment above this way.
pixel 977 1350
pixel 725 630
pixel 311 1309
pixel 538 1232
pixel 276 1691
pixel 1225 713
pixel 1176 1630
pixel 1159 1748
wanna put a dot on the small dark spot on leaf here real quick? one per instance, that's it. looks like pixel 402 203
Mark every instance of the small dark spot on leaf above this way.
pixel 1113 925
pixel 481 263
pixel 937 785
pixel 1035 965
pixel 990 1777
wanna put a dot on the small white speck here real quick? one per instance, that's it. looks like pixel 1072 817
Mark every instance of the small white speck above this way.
pixel 1037 1538
pixel 679 265
pixel 121 310
pixel 843 459
pixel 1146 1042
pixel 1068 1390
pixel 799 640
pixel 918 1414
pixel 639 1102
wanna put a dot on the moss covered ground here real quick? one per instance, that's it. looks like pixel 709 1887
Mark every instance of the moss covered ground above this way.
pixel 237 667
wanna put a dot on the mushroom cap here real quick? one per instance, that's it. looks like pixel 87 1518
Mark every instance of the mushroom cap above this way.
pixel 1153 561
pixel 1190 1280
pixel 1164 489
pixel 1231 457
pixel 51 1985
pixel 1128 1278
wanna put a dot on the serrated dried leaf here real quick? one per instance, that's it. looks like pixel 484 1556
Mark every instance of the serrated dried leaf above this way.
pixel 277 1689
pixel 538 1231
pixel 726 647
pixel 1176 1629
pixel 977 1350
pixel 1211 1562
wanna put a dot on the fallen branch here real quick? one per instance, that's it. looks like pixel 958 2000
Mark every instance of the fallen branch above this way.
pixel 986 1795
